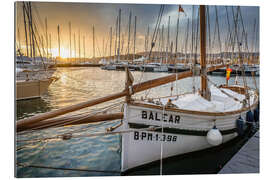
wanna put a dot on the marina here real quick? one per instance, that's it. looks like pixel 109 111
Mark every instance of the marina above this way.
pixel 116 109
pixel 59 95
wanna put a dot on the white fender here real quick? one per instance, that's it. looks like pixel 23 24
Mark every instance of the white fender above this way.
pixel 214 137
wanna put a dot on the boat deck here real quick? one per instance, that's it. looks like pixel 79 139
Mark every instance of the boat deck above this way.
pixel 246 160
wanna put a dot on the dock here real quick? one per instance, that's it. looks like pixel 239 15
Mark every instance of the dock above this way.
pixel 75 65
pixel 246 160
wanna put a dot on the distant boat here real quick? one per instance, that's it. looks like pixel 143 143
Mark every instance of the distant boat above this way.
pixel 179 67
pixel 32 81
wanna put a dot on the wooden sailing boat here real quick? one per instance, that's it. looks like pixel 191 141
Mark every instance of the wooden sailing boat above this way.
pixel 155 129
pixel 171 126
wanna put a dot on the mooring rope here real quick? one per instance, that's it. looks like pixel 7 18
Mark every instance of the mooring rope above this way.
pixel 86 135
pixel 161 145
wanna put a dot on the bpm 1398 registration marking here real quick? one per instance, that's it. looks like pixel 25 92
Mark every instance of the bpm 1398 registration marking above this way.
pixel 149 136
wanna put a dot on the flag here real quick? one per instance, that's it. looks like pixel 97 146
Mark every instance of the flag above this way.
pixel 181 9
pixel 228 73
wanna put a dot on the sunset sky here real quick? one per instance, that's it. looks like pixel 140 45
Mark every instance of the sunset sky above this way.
pixel 83 16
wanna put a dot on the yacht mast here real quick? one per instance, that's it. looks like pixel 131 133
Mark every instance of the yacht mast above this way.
pixel 205 93
pixel 69 25
pixel 74 38
pixel 25 30
pixel 134 46
pixel 129 22
pixel 168 41
pixel 94 42
pixel 176 41
pixel 79 45
pixel 119 40
pixel 50 40
pixel 110 42
pixel 84 48
pixel 58 32
pixel 46 34
pixel 115 45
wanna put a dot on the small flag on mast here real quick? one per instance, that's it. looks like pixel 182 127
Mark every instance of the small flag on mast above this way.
pixel 228 74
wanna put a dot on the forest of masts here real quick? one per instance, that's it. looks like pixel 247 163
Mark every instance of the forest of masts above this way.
pixel 121 47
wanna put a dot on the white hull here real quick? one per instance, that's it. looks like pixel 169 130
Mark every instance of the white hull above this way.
pixel 32 89
pixel 33 84
pixel 139 152
pixel 183 131
pixel 109 67
pixel 161 69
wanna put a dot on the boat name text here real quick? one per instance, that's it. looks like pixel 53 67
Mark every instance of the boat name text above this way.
pixel 158 117
pixel 154 136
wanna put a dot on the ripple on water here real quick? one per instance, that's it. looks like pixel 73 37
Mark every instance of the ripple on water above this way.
pixel 96 152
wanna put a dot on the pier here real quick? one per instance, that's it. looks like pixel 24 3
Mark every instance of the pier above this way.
pixel 76 65
pixel 246 160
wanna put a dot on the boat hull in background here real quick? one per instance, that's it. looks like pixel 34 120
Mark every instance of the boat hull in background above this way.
pixel 32 88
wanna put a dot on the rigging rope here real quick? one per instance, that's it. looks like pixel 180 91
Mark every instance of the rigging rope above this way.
pixel 154 37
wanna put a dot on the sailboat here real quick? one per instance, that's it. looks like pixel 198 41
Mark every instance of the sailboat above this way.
pixel 32 74
pixel 154 129
pixel 170 126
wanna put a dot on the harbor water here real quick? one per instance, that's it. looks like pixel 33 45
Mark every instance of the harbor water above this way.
pixel 101 155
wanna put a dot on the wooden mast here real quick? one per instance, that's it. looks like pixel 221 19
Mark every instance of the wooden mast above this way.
pixel 134 88
pixel 205 93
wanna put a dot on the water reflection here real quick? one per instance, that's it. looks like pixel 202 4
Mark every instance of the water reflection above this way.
pixel 29 107
pixel 100 152
pixel 84 83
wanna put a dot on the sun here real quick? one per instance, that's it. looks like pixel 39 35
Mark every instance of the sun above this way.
pixel 64 53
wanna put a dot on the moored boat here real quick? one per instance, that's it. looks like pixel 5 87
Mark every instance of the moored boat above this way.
pixel 161 127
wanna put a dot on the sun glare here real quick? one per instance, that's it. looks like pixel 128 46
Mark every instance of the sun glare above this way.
pixel 64 53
